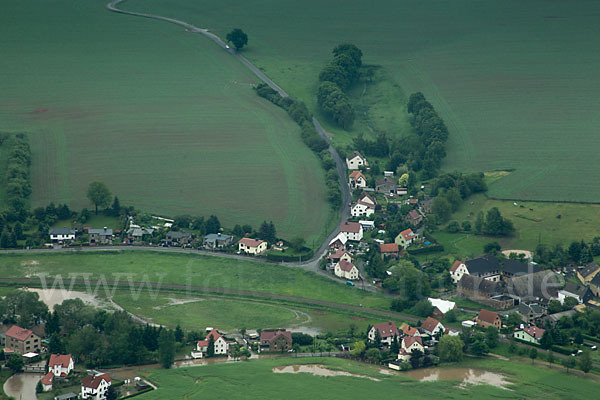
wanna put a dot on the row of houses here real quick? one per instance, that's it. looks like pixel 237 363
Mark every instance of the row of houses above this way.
pixel 386 185
pixel 279 340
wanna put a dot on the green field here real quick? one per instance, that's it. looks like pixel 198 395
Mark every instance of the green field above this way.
pixel 255 379
pixel 516 81
pixel 535 222
pixel 182 269
pixel 166 118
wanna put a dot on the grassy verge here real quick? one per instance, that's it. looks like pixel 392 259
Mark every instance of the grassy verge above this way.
pixel 4 375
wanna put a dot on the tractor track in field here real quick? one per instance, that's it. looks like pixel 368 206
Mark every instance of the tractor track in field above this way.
pixel 340 164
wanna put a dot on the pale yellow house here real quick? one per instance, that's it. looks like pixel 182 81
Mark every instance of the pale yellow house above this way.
pixel 252 246
pixel 406 238
pixel 346 270
pixel 532 334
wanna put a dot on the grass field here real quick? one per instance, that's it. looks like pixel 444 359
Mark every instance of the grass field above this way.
pixel 182 269
pixel 167 119
pixel 516 82
pixel 535 222
pixel 255 379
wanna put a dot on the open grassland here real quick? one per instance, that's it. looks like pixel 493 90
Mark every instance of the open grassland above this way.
pixel 166 118
pixel 516 81
pixel 255 379
pixel 535 222
pixel 182 269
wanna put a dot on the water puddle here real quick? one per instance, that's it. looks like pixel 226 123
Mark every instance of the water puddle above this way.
pixel 317 370
pixel 467 376
pixel 22 386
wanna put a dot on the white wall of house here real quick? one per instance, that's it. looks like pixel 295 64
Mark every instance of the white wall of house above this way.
pixel 458 274
pixel 355 162
pixel 360 210
pixel 252 250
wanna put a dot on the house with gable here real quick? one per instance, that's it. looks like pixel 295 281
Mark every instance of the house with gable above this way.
pixel 355 161
pixel 352 230
pixel 412 343
pixel 221 346
pixel 387 332
pixel 346 270
pixel 62 235
pixel 441 307
pixel 95 386
pixel 390 250
pixel 487 318
pixel 22 341
pixel 338 242
pixel 219 240
pixel 408 330
pixel 580 293
pixel 588 272
pixel 252 246
pixel 61 365
pixel 100 236
pixel 47 381
pixel 530 312
pixel 279 340
pixel 406 238
pixel 340 255
pixel 362 209
pixel 531 334
pixel 386 185
pixel 414 218
pixel 357 180
pixel 457 270
pixel 432 326
pixel 595 285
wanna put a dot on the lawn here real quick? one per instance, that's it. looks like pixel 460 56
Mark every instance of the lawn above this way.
pixel 95 221
pixel 184 269
pixel 535 222
pixel 516 82
pixel 166 118
pixel 259 381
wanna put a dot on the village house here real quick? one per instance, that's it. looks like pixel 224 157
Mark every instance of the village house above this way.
pixel 390 250
pixel 432 326
pixel 386 185
pixel 484 267
pixel 95 386
pixel 362 209
pixel 221 346
pixel 100 236
pixel 366 198
pixel 279 340
pixel 252 246
pixel 387 331
pixel 531 334
pixel 22 341
pixel 357 180
pixel 483 291
pixel 587 273
pixel 408 330
pixel 487 318
pixel 580 293
pixel 412 343
pixel 47 381
pixel 413 217
pixel 340 255
pixel 595 285
pixel 457 270
pixel 61 365
pixel 178 238
pixel 62 235
pixel 553 319
pixel 214 241
pixel 530 313
pixel 346 270
pixel 441 307
pixel 139 234
pixel 356 160
pixel 367 225
pixel 338 242
pixel 352 230
pixel 406 238
pixel 541 286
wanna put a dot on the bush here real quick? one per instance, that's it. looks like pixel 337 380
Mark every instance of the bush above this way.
pixel 434 248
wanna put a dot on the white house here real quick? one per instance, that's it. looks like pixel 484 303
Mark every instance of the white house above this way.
pixel 387 332
pixel 362 209
pixel 367 225
pixel 346 270
pixel 95 386
pixel 357 180
pixel 61 365
pixel 352 230
pixel 61 235
pixel 443 306
pixel 457 270
pixel 47 381
pixel 252 246
pixel 365 198
pixel 432 326
pixel 412 343
pixel 221 346
pixel 356 160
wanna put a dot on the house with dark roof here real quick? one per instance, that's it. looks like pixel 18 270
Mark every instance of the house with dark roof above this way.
pixel 480 290
pixel 95 386
pixel 579 292
pixel 552 319
pixel 279 340
pixel 595 285
pixel 178 238
pixel 22 341
pixel 534 287
pixel 531 334
pixel 356 160
pixel 100 236
pixel 487 318
pixel 62 235
pixel 219 240
pixel 512 268
pixel 588 272
pixel 486 267
pixel 413 217
pixel 387 185
pixel 531 312
pixel 387 332
pixel 362 209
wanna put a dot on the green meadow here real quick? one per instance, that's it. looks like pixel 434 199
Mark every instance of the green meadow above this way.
pixel 515 81
pixel 165 118
pixel 255 379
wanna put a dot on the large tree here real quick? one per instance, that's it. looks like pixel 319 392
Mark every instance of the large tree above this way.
pixel 99 194
pixel 450 348
pixel 166 348
pixel 238 38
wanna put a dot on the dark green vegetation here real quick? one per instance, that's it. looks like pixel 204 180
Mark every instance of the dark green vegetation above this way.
pixel 238 38
pixel 513 80
pixel 164 117
pixel 257 378
pixel 15 162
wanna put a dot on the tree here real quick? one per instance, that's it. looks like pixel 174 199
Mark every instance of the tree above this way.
pixel 111 393
pixel 116 207
pixel 450 348
pixel 15 363
pixel 466 226
pixel 491 336
pixel 373 355
pixel 569 363
pixel 238 38
pixel 450 316
pixel 546 341
pixel 267 231
pixel 39 388
pixel 492 248
pixel 533 353
pixel 179 334
pixel 166 348
pixel 423 308
pixel 18 231
pixel 297 243
pixel 99 195
pixel 453 227
pixel 351 50
pixel 550 358
pixel 496 225
pixel 479 223
pixel 479 347
pixel 358 348
pixel 210 349
pixel 585 361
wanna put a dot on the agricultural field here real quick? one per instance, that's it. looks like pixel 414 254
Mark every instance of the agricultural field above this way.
pixel 258 380
pixel 534 222
pixel 165 118
pixel 516 82
pixel 184 270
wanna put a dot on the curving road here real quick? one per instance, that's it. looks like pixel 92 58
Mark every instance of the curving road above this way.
pixel 340 164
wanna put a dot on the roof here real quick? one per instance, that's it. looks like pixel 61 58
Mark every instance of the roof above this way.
pixel 408 234
pixel 487 316
pixel 338 254
pixel 18 333
pixel 213 237
pixel 539 285
pixel 62 231
pixel 477 284
pixel 214 334
pixel 483 265
pixel 388 248
pixel 410 340
pixel 527 308
pixel 576 289
pixel 534 331
pixel 364 195
pixel 386 329
pixel 357 174
pixel 101 231
pixel 455 266
pixel 251 242
pixel 362 203
pixel 341 237
pixel 414 214
pixel 430 324
pixel 596 280
pixel 93 381
pixel 57 359
pixel 47 379
pixel 443 305
pixel 346 265
pixel 179 234
pixel 352 227
pixel 270 335
pixel 559 315
pixel 355 154
pixel 516 267
pixel 410 331
pixel 589 269
pixel 385 181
